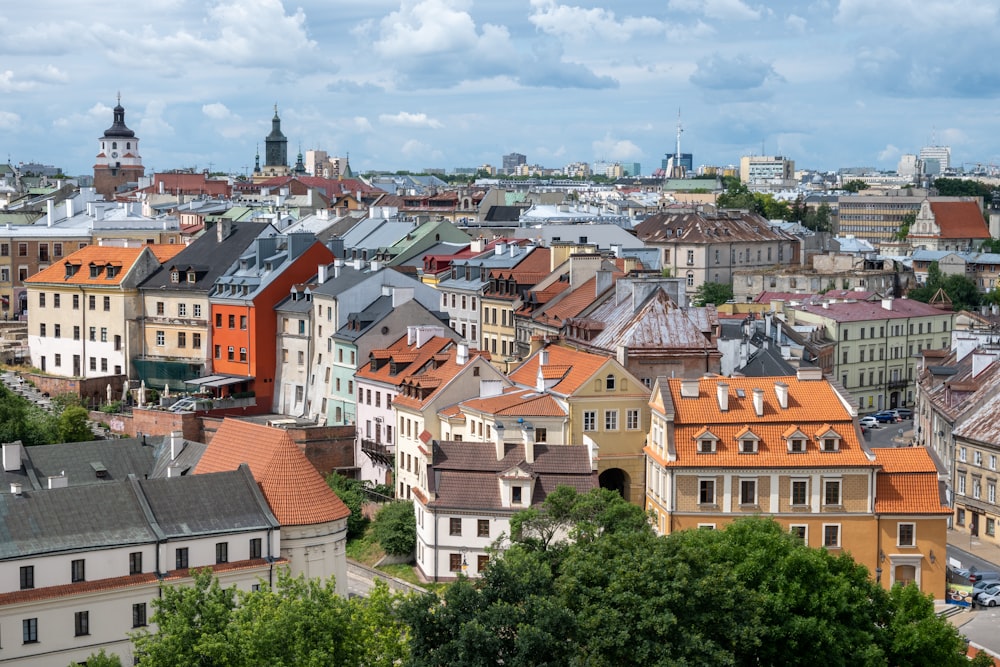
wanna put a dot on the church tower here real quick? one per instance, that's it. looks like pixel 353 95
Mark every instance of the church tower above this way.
pixel 118 161
pixel 275 153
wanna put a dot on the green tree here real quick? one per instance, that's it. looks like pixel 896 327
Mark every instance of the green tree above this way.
pixel 73 425
pixel 737 195
pixel 855 185
pixel 963 292
pixel 351 492
pixel 395 528
pixel 904 228
pixel 714 293
pixel 962 187
pixel 818 220
pixel 100 659
pixel 192 626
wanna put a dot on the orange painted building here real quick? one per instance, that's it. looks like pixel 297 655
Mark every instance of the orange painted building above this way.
pixel 244 324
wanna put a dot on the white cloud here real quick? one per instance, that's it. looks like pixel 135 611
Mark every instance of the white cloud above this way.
pixel 428 26
pixel 611 148
pixel 152 123
pixel 406 119
pixel 362 124
pixel 579 23
pixel 8 120
pixel 8 84
pixel 414 149
pixel 796 23
pixel 216 111
pixel 889 153
pixel 722 10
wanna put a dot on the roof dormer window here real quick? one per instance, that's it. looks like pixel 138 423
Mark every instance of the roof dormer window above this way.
pixel 829 440
pixel 706 441
pixel 192 277
pixel 95 271
pixel 175 276
pixel 748 441
pixel 797 446
pixel 796 440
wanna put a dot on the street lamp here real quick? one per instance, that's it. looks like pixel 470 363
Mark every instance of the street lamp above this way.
pixel 465 563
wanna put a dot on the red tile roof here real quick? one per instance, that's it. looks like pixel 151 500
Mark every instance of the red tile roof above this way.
pixel 904 459
pixel 960 220
pixel 579 366
pixel 296 492
pixel 102 256
pixel 516 402
pixel 908 493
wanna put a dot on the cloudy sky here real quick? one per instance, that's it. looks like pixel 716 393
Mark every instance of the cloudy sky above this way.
pixel 408 84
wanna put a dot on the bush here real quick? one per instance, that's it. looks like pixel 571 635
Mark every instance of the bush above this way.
pixel 395 528
pixel 350 492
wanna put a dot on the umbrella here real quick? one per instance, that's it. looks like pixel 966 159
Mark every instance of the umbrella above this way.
pixel 166 390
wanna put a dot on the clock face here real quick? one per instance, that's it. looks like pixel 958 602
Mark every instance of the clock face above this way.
pixel 114 153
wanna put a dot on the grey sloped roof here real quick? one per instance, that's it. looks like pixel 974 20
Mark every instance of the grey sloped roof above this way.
pixel 209 503
pixel 73 518
pixel 119 458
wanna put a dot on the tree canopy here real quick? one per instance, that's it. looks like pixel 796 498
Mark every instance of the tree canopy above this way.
pixel 855 185
pixel 962 291
pixel 963 187
pixel 714 293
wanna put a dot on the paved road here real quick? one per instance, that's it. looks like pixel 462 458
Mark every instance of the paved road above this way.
pixel 982 626
pixel 888 435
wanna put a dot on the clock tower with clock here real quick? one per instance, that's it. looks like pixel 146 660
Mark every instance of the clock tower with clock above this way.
pixel 118 161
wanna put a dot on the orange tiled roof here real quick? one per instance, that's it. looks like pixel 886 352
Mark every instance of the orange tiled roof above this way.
pixel 582 367
pixel 908 493
pixel 400 351
pixel 517 402
pixel 960 220
pixel 813 407
pixel 904 459
pixel 102 256
pixel 433 378
pixel 296 492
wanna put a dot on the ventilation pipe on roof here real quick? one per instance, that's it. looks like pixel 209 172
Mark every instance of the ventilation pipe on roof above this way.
pixel 176 444
pixel 498 431
pixel 12 456
pixel 462 356
pixel 781 391
pixel 758 402
pixel 50 211
pixel 15 488
pixel 722 393
pixel 529 442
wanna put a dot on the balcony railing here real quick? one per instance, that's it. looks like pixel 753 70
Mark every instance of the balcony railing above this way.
pixel 378 452
pixel 897 384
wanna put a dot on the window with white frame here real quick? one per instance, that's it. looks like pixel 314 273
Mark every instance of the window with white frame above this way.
pixel 831 535
pixel 797 445
pixel 800 492
pixel 993 462
pixel 610 420
pixel 991 492
pixel 961 453
pixel 831 444
pixel 748 445
pixel 706 446
pixel 748 492
pixel 977 488
pixel 632 420
pixel 831 492
pixel 706 491
pixel 906 535
pixel 961 485
pixel 977 457
pixel 801 531
pixel 589 420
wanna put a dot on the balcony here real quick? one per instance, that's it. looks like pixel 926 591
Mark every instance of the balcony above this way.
pixel 897 384
pixel 378 452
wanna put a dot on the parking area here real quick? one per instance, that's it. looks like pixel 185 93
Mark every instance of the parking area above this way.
pixel 899 434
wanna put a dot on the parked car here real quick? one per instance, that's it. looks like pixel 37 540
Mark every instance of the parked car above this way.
pixel 984 586
pixel 885 417
pixel 958 575
pixel 989 598
pixel 868 422
pixel 983 575
pixel 903 413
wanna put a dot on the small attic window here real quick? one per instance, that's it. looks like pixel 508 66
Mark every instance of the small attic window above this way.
pixel 175 276
pixel 831 444
pixel 797 445
pixel 95 270
pixel 748 446
pixel 112 271
pixel 706 446
pixel 609 382
pixel 192 277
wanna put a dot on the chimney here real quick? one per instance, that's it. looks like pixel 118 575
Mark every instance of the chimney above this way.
pixel 15 488
pixel 462 356
pixel 513 249
pixel 12 456
pixel 543 357
pixel 805 373
pixel 173 470
pixel 498 431
pixel 781 391
pixel 50 211
pixel 176 444
pixel 411 334
pixel 338 264
pixel 689 388
pixel 401 295
pixel 501 248
pixel 376 266
pixel 722 393
pixel 887 304
pixel 60 481
pixel 602 281
pixel 980 360
pixel 490 388
pixel 69 208
pixel 758 402
pixel 529 442
pixel 223 228
pixel 321 273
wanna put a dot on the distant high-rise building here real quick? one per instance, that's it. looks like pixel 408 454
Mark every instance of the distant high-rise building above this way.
pixel 632 169
pixel 935 159
pixel 908 165
pixel 672 161
pixel 767 170
pixel 512 161
pixel 317 163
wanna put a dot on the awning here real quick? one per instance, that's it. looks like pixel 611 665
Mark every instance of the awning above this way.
pixel 218 380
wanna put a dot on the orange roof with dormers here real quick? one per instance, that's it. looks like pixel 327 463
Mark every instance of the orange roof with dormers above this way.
pixel 812 405
pixel 399 352
pixel 581 365
pixel 296 492
pixel 432 376
pixel 516 402
pixel 121 258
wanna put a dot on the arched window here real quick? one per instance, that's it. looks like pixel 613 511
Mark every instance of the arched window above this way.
pixel 609 382
pixel 114 144
pixel 690 279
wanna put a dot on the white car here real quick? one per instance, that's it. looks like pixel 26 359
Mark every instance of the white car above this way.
pixel 989 597
pixel 868 422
